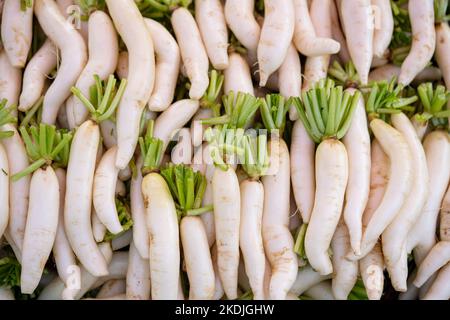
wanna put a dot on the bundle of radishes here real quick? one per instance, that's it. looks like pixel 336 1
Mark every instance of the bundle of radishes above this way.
pixel 208 149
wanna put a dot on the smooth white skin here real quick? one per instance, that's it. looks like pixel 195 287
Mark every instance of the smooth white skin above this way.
pixel 193 52
pixel 237 77
pixel 305 38
pixel 64 5
pixel 306 279
pixel 445 218
pixel 62 251
pixel 197 258
pixel 73 54
pixel 278 241
pixel 141 76
pixel 442 48
pixel 302 169
pixel 40 230
pixel 371 268
pixel 112 289
pixel 437 258
pixel 290 78
pixel 167 66
pixel 18 190
pixel 4 190
pixel 227 205
pixel 210 18
pixel 17 32
pixel 182 152
pixel 6 294
pixel 321 291
pixel 208 217
pixel 331 170
pixel 276 36
pixel 117 268
pixel 440 290
pixel 338 34
pixel 388 71
pixel 55 290
pixel 422 236
pixel 239 15
pixel 358 24
pixel 162 225
pixel 105 180
pixel 122 241
pixel 421 14
pixel 103 49
pixel 138 276
pixel 174 118
pixel 395 236
pixel 98 228
pixel 250 236
pixel 122 65
pixel 218 289
pixel 345 272
pixel 357 143
pixel 108 131
pixel 401 176
pixel 197 129
pixel 384 26
pixel 140 233
pixel 77 208
pixel 36 73
pixel 11 80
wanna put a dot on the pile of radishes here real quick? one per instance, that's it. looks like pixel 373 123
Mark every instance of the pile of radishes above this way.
pixel 224 149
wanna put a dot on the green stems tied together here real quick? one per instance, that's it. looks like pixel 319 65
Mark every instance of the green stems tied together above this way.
pixel 239 109
pixel 326 110
pixel 345 76
pixel 45 145
pixel 104 98
pixel 385 99
pixel 151 150
pixel 273 112
pixel 434 101
pixel 123 211
pixel 187 188
pixel 5 118
pixel 211 96
pixel 255 160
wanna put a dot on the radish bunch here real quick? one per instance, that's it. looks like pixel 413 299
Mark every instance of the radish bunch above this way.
pixel 206 150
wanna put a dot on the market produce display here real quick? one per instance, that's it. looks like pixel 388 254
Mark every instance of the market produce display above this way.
pixel 223 149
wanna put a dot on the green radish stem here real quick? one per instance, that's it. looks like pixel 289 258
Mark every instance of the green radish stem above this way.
pixel 45 145
pixel 33 115
pixel 440 11
pixel 210 98
pixel 273 112
pixel 123 212
pixel 434 102
pixel 402 26
pixel 345 76
pixel 299 246
pixel 5 118
pixel 9 272
pixel 151 150
pixel 255 159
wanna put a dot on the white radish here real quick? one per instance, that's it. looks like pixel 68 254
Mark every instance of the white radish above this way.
pixel 384 26
pixel 17 31
pixel 197 258
pixel 4 190
pixel 141 76
pixel 103 49
pixel 98 228
pixel 208 197
pixel 250 237
pixel 112 289
pixel 174 118
pixel 395 236
pixel 278 241
pixel 276 36
pixel 437 258
pixel 122 241
pixel 442 47
pixel 358 23
pixel 77 210
pixel 331 169
pixel 388 71
pixel 40 230
pixel 305 38
pixel 167 66
pixel 338 35
pixel 73 56
pixel 306 279
pixel 290 78
pixel 440 290
pixel 421 15
pixel 36 73
pixel 444 227
pixel 371 268
pixel 105 180
pixel 10 78
pixel 227 203
pixel 193 52
pixel 138 276
pixel 237 76
pixel 182 152
pixel 357 143
pixel 162 225
pixel 218 289
pixel 398 187
pixel 345 272
pixel 210 18
pixel 18 190
pixel 321 291
pixel 140 233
